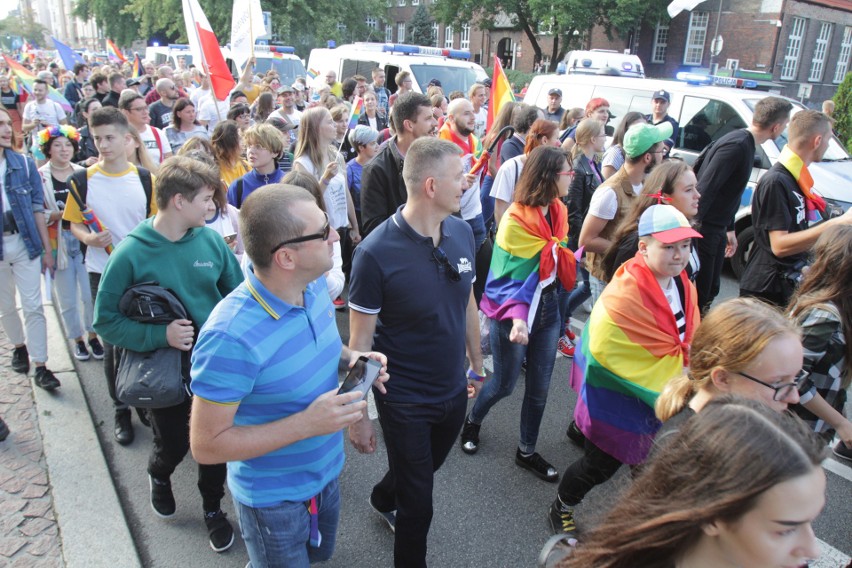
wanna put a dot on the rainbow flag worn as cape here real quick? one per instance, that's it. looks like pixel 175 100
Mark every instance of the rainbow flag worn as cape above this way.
pixel 630 348
pixel 114 53
pixel 528 256
pixel 814 203
pixel 24 82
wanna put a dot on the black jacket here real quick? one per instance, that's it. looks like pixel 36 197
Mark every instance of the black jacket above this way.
pixel 382 187
pixel 86 147
pixel 722 179
pixel 381 120
pixel 579 197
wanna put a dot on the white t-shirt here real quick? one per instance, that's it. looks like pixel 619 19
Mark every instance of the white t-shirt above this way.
pixel 334 194
pixel 471 204
pixel 199 96
pixel 604 203
pixel 506 178
pixel 156 150
pixel 481 121
pixel 48 112
pixel 207 112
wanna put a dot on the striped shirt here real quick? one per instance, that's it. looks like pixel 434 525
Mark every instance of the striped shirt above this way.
pixel 272 359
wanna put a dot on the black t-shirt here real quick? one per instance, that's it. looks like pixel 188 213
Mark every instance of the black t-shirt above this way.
pixel 60 191
pixel 778 205
pixel 161 115
pixel 9 99
pixel 722 179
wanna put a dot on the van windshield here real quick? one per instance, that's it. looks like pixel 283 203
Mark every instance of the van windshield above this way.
pixel 451 78
pixel 287 69
pixel 835 152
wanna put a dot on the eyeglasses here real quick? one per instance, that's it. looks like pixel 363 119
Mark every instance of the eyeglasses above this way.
pixel 441 258
pixel 323 235
pixel 140 108
pixel 781 391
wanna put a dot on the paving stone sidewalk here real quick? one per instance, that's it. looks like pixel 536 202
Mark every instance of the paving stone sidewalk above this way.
pixel 29 533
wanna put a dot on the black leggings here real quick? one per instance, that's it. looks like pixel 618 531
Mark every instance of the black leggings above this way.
pixel 595 467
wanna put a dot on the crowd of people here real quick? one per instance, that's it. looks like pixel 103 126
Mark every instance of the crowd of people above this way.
pixel 266 212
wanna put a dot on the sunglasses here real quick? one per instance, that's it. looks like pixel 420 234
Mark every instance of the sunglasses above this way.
pixel 440 257
pixel 323 235
pixel 781 391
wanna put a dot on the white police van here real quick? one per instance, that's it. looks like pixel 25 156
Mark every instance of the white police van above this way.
pixel 452 67
pixel 601 62
pixel 169 54
pixel 705 114
pixel 280 58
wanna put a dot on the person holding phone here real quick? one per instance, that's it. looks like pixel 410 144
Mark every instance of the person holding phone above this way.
pixel 266 398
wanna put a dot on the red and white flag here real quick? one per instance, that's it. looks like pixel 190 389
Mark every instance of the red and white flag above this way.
pixel 205 49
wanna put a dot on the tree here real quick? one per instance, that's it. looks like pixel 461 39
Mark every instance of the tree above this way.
pixel 557 20
pixel 24 27
pixel 843 111
pixel 420 27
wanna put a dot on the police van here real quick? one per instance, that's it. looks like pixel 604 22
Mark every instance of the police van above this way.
pixel 705 114
pixel 601 62
pixel 279 58
pixel 169 55
pixel 452 67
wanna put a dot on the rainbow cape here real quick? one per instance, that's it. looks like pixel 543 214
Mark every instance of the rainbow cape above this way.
pixel 814 203
pixel 24 82
pixel 629 349
pixel 528 256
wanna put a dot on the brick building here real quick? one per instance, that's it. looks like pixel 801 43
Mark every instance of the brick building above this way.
pixel 803 46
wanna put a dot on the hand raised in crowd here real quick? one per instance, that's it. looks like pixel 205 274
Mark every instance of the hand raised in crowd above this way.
pixel 179 334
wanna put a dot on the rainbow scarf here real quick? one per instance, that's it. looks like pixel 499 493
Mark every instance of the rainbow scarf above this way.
pixel 814 203
pixel 630 348
pixel 528 256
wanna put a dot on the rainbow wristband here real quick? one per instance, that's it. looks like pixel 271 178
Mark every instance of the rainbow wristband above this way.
pixel 473 376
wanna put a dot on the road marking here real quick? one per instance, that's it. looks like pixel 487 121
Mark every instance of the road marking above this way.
pixel 838 468
pixel 829 557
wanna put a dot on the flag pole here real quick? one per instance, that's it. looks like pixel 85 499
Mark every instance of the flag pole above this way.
pixel 204 62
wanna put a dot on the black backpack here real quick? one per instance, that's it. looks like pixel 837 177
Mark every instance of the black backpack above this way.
pixel 81 184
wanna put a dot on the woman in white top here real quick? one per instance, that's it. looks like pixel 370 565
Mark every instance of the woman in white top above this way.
pixel 184 125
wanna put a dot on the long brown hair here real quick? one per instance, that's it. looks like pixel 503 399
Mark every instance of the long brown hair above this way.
pixel 308 142
pixel 541 128
pixel 661 180
pixel 731 336
pixel 503 118
pixel 537 185
pixel 829 281
pixel 226 143
pixel 716 469
pixel 16 143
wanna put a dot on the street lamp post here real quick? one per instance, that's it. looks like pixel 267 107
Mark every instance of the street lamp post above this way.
pixel 716 44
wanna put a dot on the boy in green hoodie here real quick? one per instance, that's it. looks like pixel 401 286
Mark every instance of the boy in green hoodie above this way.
pixel 175 249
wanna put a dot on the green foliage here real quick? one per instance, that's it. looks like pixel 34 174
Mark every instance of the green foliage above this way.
pixel 420 28
pixel 843 111
pixel 26 28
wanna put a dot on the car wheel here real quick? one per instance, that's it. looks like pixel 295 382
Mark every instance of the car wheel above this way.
pixel 745 240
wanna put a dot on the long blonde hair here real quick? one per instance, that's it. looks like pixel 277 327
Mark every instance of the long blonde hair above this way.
pixel 733 334
pixel 308 143
pixel 141 156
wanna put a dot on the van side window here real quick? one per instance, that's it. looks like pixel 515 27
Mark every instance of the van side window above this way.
pixel 621 101
pixel 704 121
pixel 390 77
pixel 350 67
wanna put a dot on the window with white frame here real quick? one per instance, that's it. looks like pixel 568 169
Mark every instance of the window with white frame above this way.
pixel 400 32
pixel 794 47
pixel 435 34
pixel 400 3
pixel 732 64
pixel 693 54
pixel 661 42
pixel 843 60
pixel 388 33
pixel 818 61
pixel 465 37
pixel 448 37
pixel 371 22
pixel 415 2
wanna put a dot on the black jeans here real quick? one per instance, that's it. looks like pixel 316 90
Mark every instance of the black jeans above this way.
pixel 418 438
pixel 171 444
pixel 595 467
pixel 711 255
pixel 112 354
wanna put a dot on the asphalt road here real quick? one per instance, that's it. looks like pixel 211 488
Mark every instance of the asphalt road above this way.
pixel 488 511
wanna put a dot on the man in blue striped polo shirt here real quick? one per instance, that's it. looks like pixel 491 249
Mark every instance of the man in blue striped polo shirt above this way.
pixel 264 374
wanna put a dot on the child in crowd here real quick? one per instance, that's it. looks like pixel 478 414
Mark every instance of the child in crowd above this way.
pixel 264 145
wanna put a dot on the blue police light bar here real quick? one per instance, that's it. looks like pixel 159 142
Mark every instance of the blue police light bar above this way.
pixel 423 50
pixel 274 48
pixel 181 46
pixel 734 82
pixel 694 78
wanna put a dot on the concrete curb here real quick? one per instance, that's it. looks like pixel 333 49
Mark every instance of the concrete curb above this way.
pixel 92 525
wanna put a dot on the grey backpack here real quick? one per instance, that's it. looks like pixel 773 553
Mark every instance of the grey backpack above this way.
pixel 152 379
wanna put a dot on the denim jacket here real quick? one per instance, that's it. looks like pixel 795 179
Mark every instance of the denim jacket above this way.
pixel 25 195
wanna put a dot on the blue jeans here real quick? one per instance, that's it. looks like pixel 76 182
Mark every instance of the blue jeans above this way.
pixel 478 226
pixel 418 438
pixel 72 289
pixel 279 536
pixel 570 300
pixel 508 356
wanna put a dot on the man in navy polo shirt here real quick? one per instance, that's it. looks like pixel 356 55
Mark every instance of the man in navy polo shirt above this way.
pixel 410 297
pixel 264 374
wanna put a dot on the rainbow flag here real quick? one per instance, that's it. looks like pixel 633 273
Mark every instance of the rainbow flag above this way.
pixel 527 256
pixel 630 348
pixel 501 92
pixel 814 203
pixel 25 80
pixel 114 53
pixel 137 70
pixel 357 111
pixel 313 73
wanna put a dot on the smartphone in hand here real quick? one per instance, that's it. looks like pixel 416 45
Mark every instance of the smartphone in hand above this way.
pixel 361 376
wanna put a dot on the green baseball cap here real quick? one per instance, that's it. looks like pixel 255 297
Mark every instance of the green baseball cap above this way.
pixel 640 138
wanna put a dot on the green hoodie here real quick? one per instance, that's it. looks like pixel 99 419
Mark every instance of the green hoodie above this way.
pixel 199 268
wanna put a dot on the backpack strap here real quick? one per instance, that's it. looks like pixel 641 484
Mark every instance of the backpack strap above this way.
pixel 158 141
pixel 239 193
pixel 148 185
pixel 80 179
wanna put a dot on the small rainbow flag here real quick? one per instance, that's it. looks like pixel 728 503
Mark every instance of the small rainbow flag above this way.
pixel 137 70
pixel 501 92
pixel 357 111
pixel 115 53
pixel 313 73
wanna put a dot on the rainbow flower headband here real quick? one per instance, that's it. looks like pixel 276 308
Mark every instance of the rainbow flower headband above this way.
pixel 67 131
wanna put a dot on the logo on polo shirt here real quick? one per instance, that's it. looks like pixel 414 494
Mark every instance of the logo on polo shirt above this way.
pixel 464 265
pixel 206 264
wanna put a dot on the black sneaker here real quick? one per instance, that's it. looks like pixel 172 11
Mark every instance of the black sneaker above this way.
pixel 576 435
pixel 97 348
pixel 80 351
pixel 219 530
pixel 470 437
pixel 123 428
pixel 162 498
pixel 21 360
pixel 561 518
pixel 538 465
pixel 389 517
pixel 4 430
pixel 45 379
pixel 842 451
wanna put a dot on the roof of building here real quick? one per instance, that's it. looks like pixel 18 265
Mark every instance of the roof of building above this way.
pixel 844 5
